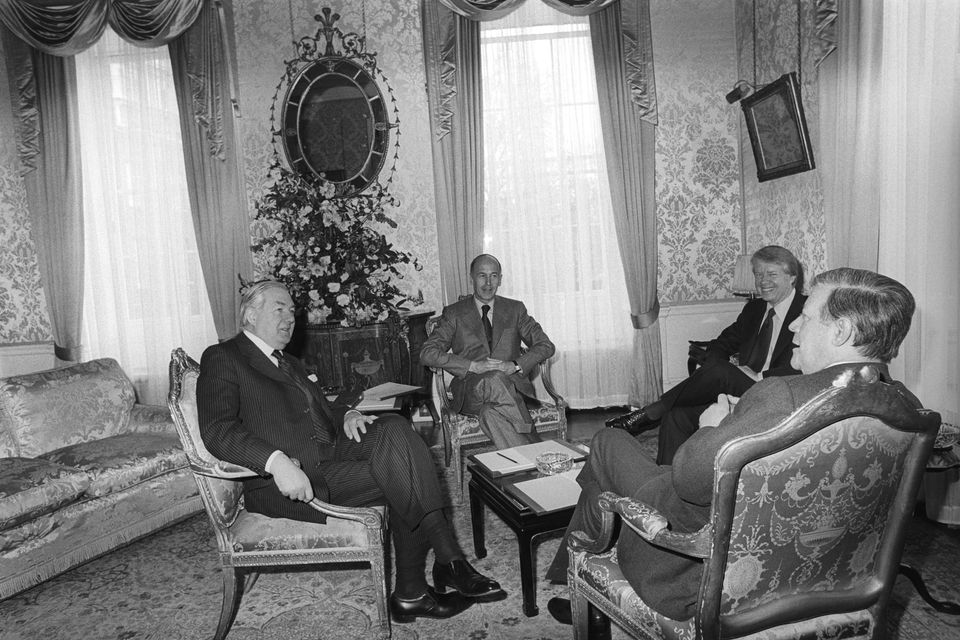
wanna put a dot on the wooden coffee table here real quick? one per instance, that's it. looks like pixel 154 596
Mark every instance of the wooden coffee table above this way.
pixel 527 524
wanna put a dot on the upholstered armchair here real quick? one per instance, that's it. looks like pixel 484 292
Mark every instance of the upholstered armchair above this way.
pixel 463 429
pixel 249 542
pixel 806 530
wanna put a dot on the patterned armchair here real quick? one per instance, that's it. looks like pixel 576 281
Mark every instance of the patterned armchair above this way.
pixel 463 429
pixel 806 530
pixel 249 541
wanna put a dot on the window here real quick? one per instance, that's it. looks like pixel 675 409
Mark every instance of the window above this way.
pixel 143 289
pixel 547 211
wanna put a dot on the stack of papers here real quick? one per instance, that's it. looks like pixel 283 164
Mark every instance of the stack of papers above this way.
pixel 383 396
pixel 549 493
pixel 524 457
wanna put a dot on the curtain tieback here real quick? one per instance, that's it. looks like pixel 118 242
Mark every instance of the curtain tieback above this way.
pixel 644 320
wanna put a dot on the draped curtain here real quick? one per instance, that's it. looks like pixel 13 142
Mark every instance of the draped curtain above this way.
pixel 450 73
pixel 897 94
pixel 66 28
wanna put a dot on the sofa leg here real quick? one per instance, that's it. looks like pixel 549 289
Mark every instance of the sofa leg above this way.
pixel 232 592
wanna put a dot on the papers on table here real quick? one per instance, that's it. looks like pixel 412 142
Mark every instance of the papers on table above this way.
pixel 524 457
pixel 383 397
pixel 548 493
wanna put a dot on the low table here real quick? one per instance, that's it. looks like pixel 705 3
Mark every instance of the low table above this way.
pixel 485 490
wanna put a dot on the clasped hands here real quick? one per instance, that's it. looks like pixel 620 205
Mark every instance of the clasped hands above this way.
pixel 492 364
pixel 290 478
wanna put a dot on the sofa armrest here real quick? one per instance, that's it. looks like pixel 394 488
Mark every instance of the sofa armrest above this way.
pixel 150 418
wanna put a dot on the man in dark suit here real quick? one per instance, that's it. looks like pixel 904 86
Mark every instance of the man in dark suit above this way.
pixel 258 408
pixel 852 317
pixel 478 340
pixel 759 340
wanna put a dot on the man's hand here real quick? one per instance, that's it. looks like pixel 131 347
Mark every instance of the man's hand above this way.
pixel 715 413
pixel 290 479
pixel 491 364
pixel 355 424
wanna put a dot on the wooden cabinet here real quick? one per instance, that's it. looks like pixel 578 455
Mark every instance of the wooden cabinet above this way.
pixel 361 357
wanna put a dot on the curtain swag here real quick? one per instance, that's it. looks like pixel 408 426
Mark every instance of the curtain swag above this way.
pixel 635 34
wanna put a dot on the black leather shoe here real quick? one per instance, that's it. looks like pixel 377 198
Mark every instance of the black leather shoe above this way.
pixel 634 422
pixel 598 625
pixel 430 605
pixel 468 581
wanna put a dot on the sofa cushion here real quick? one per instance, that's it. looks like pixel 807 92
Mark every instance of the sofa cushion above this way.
pixel 118 462
pixel 31 487
pixel 52 409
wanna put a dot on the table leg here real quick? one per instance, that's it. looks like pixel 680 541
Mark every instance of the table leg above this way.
pixel 476 520
pixel 940 605
pixel 527 586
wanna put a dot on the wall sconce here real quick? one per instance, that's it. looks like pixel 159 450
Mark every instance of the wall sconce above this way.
pixel 741 89
pixel 743 282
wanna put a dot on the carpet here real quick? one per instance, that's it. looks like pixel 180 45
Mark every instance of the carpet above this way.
pixel 167 587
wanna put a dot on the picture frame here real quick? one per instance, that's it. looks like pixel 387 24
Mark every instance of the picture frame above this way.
pixel 778 129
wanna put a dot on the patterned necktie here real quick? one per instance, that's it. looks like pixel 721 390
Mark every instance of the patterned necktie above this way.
pixel 290 371
pixel 487 327
pixel 758 356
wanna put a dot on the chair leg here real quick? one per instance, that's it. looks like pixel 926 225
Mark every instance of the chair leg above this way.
pixel 580 610
pixel 457 461
pixel 379 563
pixel 232 592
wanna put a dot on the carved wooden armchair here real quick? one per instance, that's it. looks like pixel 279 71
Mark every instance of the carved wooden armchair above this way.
pixel 806 529
pixel 463 429
pixel 250 541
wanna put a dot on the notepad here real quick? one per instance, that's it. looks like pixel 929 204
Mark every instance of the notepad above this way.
pixel 523 458
pixel 548 493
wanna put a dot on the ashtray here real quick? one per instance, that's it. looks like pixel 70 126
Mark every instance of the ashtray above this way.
pixel 553 462
pixel 948 436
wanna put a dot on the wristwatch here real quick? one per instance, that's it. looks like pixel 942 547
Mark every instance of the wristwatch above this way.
pixel 516 368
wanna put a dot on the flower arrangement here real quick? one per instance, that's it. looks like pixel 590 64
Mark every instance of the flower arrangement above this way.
pixel 326 249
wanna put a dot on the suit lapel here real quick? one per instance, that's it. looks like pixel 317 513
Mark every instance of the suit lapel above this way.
pixel 785 339
pixel 501 310
pixel 259 361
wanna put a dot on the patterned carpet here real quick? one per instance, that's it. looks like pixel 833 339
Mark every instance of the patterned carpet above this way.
pixel 167 587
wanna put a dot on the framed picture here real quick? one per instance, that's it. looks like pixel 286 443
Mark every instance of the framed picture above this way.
pixel 778 129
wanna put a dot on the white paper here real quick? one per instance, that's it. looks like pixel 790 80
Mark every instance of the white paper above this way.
pixel 550 492
pixel 524 457
pixel 388 390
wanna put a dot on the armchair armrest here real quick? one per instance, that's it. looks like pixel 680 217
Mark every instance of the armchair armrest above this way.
pixel 547 381
pixel 647 522
pixel 219 469
pixel 370 517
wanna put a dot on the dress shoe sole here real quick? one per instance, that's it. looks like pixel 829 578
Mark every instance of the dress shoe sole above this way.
pixel 490 596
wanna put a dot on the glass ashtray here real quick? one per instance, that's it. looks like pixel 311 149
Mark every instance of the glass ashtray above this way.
pixel 553 462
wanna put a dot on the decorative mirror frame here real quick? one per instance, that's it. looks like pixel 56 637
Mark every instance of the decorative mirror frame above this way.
pixel 317 58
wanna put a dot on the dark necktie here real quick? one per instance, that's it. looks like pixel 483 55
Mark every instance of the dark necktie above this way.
pixel 758 356
pixel 487 327
pixel 291 372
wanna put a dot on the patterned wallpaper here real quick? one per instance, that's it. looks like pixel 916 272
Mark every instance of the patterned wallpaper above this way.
pixel 698 164
pixel 23 308
pixel 392 27
pixel 786 211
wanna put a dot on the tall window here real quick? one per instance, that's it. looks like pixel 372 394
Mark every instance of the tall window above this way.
pixel 547 211
pixel 143 289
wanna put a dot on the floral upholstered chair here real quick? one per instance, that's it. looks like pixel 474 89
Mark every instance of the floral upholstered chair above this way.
pixel 250 541
pixel 463 429
pixel 806 529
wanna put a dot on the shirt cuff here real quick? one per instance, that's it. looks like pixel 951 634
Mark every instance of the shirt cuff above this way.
pixel 270 460
pixel 349 411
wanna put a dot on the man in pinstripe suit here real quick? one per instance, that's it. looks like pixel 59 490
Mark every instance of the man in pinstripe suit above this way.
pixel 258 408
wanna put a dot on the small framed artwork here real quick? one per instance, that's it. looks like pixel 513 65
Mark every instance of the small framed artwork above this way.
pixel 778 129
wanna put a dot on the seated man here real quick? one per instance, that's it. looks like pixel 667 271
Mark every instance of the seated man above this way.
pixel 478 341
pixel 761 340
pixel 258 408
pixel 851 317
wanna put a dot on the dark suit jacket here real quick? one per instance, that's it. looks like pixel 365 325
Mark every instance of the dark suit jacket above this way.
pixel 683 492
pixel 738 338
pixel 248 409
pixel 458 340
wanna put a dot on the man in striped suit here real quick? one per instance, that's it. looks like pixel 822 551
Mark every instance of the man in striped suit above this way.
pixel 258 408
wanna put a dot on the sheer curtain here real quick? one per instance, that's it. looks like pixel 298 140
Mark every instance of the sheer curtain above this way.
pixel 547 203
pixel 143 289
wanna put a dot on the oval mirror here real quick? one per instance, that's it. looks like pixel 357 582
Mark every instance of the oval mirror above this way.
pixel 335 125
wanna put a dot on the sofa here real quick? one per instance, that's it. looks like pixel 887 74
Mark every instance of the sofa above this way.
pixel 84 469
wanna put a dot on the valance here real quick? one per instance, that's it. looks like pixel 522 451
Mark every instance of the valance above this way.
pixel 67 27
pixel 636 40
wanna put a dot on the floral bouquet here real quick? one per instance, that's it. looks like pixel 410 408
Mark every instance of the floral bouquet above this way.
pixel 336 265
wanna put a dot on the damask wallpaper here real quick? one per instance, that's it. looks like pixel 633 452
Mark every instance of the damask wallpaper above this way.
pixel 23 308
pixel 265 30
pixel 698 162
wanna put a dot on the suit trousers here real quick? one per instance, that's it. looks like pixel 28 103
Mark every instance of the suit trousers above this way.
pixel 502 411
pixel 616 463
